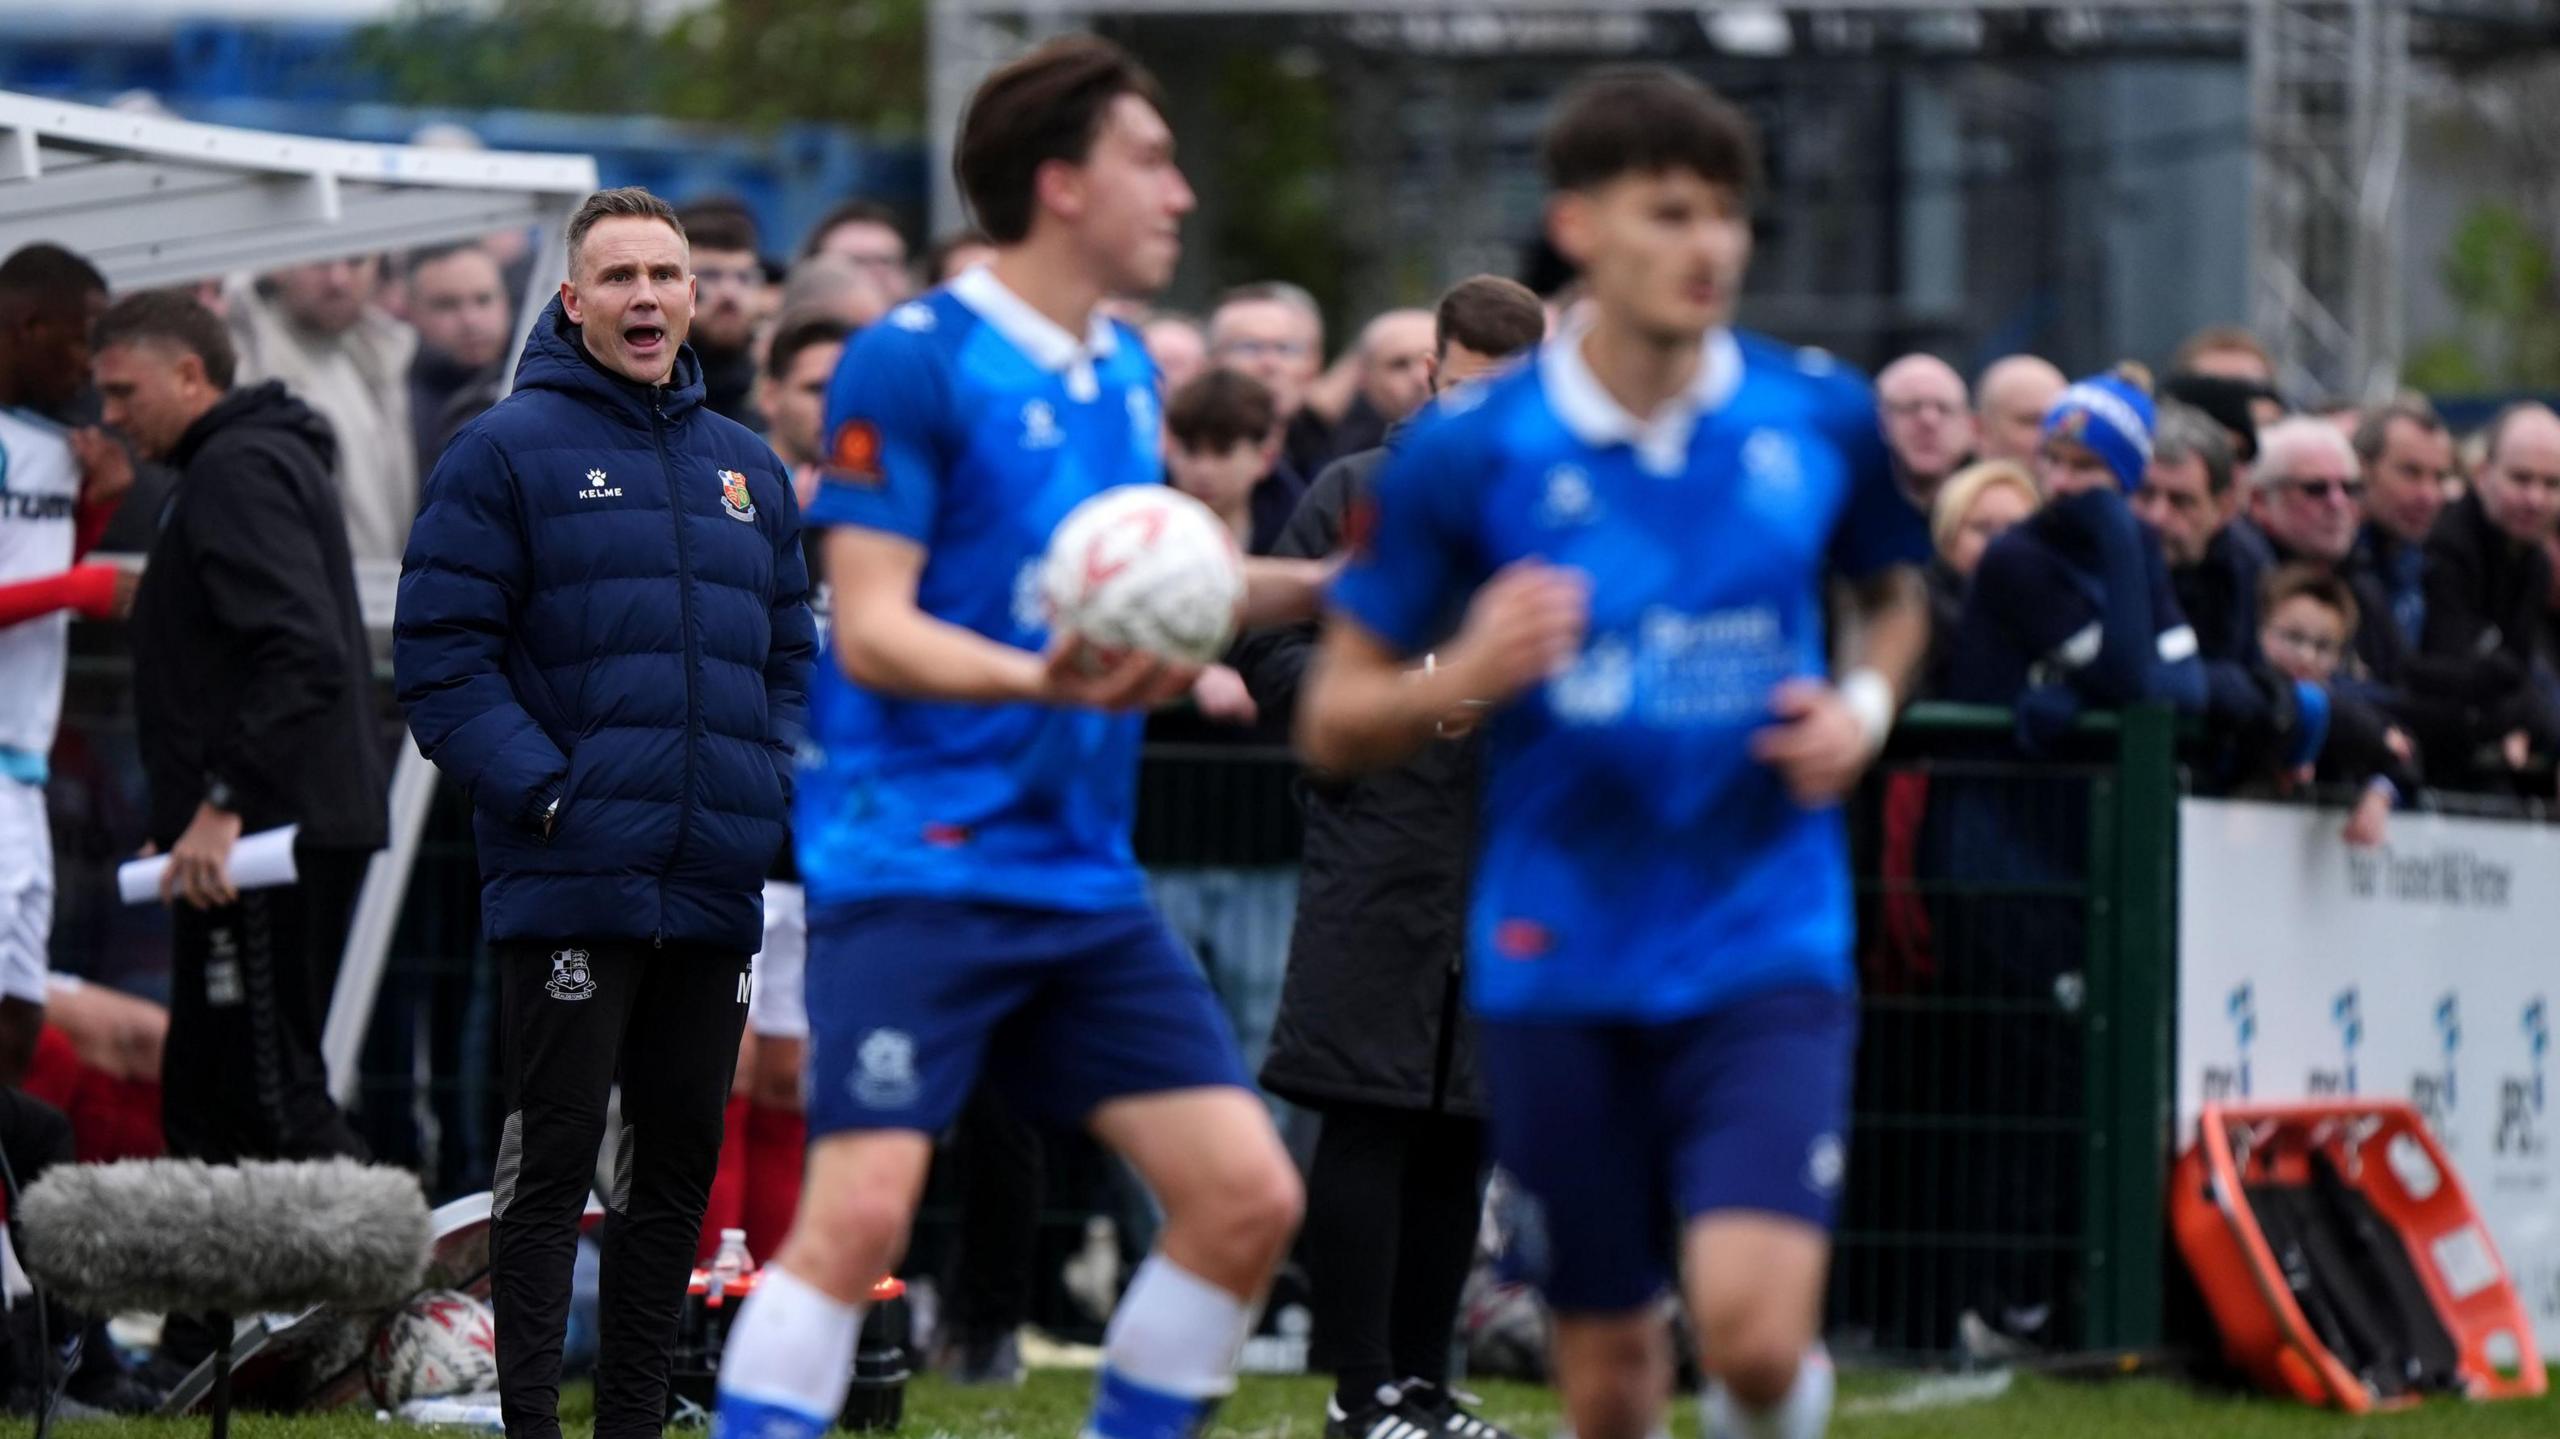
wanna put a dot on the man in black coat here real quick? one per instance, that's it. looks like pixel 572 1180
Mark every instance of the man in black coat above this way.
pixel 254 706
pixel 2488 580
pixel 1369 1031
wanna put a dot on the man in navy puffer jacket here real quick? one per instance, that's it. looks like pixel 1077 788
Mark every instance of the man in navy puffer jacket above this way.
pixel 604 638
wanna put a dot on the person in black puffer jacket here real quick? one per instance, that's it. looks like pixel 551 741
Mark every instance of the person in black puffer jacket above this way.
pixel 1370 1031
pixel 604 637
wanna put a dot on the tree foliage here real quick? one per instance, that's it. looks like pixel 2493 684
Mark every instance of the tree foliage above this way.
pixel 740 62
pixel 2500 274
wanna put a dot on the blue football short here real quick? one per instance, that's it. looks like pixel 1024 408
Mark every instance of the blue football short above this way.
pixel 911 999
pixel 1625 1131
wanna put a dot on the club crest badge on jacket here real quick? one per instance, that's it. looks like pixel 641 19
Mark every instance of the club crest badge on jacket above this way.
pixel 734 497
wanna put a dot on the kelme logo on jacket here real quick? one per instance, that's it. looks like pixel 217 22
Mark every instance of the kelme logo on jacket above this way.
pixel 734 496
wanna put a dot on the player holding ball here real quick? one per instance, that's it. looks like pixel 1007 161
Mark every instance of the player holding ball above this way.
pixel 1658 948
pixel 973 899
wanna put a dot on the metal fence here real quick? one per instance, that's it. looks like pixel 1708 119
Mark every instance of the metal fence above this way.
pixel 2016 923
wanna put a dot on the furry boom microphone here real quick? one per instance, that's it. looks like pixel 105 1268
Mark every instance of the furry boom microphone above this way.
pixel 180 1235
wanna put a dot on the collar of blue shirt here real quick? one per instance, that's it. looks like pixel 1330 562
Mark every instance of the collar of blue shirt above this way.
pixel 1595 417
pixel 1044 341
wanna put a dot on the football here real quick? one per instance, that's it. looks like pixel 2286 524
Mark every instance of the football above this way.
pixel 1144 567
pixel 441 1343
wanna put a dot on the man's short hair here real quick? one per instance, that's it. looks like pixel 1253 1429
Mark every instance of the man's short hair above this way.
pixel 2220 337
pixel 2186 433
pixel 2494 433
pixel 850 212
pixel 1048 105
pixel 629 201
pixel 2373 423
pixel 425 255
pixel 2308 582
pixel 171 317
pixel 1492 316
pixel 1644 120
pixel 49 273
pixel 797 333
pixel 2283 444
pixel 1271 292
pixel 719 224
pixel 1220 409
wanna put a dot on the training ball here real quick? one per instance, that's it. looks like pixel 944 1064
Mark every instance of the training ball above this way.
pixel 439 1344
pixel 1145 567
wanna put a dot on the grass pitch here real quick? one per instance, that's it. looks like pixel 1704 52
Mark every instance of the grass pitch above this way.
pixel 1873 1406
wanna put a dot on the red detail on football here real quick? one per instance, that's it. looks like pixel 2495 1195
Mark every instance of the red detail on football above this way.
pixel 1522 939
pixel 946 836
pixel 1149 524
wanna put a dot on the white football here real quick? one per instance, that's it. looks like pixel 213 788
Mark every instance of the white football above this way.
pixel 441 1343
pixel 1145 567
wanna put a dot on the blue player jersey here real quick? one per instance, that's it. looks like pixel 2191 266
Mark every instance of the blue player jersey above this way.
pixel 1636 863
pixel 970 423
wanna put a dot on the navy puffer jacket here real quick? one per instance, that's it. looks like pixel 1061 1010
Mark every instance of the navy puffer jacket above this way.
pixel 604 602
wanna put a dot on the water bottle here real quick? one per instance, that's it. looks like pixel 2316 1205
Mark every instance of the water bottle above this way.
pixel 732 1263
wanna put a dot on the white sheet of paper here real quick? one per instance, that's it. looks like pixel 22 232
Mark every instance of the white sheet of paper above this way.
pixel 259 861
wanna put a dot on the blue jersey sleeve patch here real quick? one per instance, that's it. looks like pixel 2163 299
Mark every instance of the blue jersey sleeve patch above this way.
pixel 884 421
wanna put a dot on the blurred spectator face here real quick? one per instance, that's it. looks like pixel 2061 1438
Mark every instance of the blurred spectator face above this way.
pixel 2521 483
pixel 2304 638
pixel 150 392
pixel 630 296
pixel 1663 253
pixel 1988 518
pixel 1180 351
pixel 726 283
pixel 875 249
pixel 2404 486
pixel 330 297
pixel 2177 502
pixel 2307 496
pixel 2066 467
pixel 459 304
pixel 2015 394
pixel 2234 363
pixel 1926 423
pixel 1274 342
pixel 828 285
pixel 1223 480
pixel 962 258
pixel 795 404
pixel 1395 362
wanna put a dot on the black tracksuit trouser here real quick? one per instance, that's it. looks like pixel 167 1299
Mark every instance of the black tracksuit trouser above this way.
pixel 580 1016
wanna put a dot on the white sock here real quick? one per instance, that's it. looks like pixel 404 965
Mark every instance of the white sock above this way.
pixel 792 1347
pixel 1804 1413
pixel 1170 1352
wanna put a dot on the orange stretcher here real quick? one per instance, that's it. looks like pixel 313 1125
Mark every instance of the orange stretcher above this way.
pixel 2342 1260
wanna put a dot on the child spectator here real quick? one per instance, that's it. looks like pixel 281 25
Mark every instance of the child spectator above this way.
pixel 2310 622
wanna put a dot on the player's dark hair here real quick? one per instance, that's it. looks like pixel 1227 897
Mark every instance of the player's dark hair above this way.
pixel 1645 120
pixel 801 332
pixel 1048 105
pixel 630 201
pixel 171 317
pixel 851 212
pixel 719 225
pixel 2302 582
pixel 1492 316
pixel 1220 409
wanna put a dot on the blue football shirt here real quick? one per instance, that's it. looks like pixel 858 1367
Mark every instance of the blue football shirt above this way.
pixel 1636 863
pixel 969 423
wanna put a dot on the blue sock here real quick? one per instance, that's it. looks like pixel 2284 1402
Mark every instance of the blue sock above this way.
pixel 744 1418
pixel 1123 1408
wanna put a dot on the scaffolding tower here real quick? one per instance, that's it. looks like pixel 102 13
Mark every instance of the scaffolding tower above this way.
pixel 2328 82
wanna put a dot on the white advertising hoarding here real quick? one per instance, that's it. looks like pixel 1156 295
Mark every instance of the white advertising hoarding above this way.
pixel 2423 970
